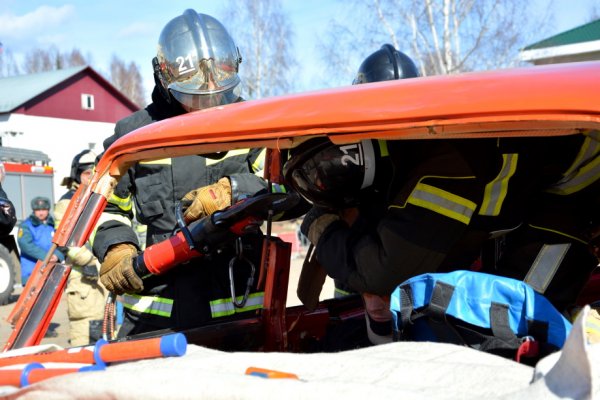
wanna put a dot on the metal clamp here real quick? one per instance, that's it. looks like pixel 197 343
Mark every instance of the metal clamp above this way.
pixel 181 224
pixel 240 257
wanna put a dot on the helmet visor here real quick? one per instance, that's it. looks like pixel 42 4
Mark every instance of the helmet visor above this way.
pixel 202 101
pixel 316 191
pixel 333 175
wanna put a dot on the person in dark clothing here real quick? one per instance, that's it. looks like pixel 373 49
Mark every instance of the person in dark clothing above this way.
pixel 188 76
pixel 8 217
pixel 385 64
pixel 387 211
pixel 506 210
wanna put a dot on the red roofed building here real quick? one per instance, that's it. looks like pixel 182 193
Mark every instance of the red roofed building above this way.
pixel 59 113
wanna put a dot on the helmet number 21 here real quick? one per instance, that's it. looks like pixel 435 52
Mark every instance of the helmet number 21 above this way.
pixel 352 154
pixel 186 64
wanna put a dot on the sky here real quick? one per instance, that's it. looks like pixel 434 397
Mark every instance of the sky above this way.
pixel 129 29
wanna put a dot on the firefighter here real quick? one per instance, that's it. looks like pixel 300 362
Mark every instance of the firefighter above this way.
pixel 196 68
pixel 86 296
pixel 387 211
pixel 385 64
pixel 35 237
pixel 370 216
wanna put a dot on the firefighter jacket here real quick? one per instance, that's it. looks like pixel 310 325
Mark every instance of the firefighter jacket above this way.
pixel 551 248
pixel 35 239
pixel 435 203
pixel 191 294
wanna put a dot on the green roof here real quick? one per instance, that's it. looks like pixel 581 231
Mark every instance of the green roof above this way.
pixel 17 90
pixel 584 33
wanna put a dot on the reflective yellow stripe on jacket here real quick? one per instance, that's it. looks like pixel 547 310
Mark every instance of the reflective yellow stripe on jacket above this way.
pixel 585 170
pixel 441 202
pixel 496 190
pixel 225 307
pixel 154 305
pixel 124 204
pixel 258 165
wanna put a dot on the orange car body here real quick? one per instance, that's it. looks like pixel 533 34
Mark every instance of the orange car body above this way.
pixel 534 101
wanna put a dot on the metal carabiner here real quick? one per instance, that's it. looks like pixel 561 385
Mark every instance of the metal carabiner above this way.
pixel 240 257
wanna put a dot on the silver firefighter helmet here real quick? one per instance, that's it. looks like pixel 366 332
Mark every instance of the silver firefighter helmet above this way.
pixel 198 61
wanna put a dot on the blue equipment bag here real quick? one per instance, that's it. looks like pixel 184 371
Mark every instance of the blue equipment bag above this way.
pixel 491 313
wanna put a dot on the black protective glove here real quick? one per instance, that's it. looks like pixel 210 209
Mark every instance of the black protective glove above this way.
pixel 315 222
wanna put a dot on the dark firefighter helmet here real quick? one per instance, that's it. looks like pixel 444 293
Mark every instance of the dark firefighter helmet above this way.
pixel 81 162
pixel 197 62
pixel 330 175
pixel 386 64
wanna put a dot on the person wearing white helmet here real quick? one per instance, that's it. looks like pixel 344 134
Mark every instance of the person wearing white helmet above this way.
pixel 86 295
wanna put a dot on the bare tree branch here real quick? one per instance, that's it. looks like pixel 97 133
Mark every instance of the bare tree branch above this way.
pixel 442 36
pixel 128 79
pixel 264 34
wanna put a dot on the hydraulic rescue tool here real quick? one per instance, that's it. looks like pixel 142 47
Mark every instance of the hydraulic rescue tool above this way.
pixel 201 236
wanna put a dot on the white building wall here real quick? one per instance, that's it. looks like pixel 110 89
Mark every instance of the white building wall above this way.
pixel 60 139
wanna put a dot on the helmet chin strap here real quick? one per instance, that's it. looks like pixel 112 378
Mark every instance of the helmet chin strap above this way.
pixel 158 81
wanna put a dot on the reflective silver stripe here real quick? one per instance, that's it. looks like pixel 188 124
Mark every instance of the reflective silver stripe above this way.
pixel 225 307
pixel 496 190
pixel 154 305
pixel 442 202
pixel 369 162
pixel 545 266
pixel 584 171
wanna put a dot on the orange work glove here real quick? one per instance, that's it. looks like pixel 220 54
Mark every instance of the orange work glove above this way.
pixel 116 272
pixel 208 199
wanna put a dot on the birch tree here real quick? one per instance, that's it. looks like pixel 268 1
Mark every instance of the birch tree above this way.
pixel 263 33
pixel 128 79
pixel 8 64
pixel 40 60
pixel 442 36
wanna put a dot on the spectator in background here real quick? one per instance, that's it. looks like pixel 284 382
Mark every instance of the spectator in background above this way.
pixel 35 237
pixel 8 218
pixel 86 296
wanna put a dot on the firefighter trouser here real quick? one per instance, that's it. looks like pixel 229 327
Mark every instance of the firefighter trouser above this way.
pixel 85 307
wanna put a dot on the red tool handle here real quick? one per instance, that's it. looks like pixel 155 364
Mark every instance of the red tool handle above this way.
pixel 163 256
